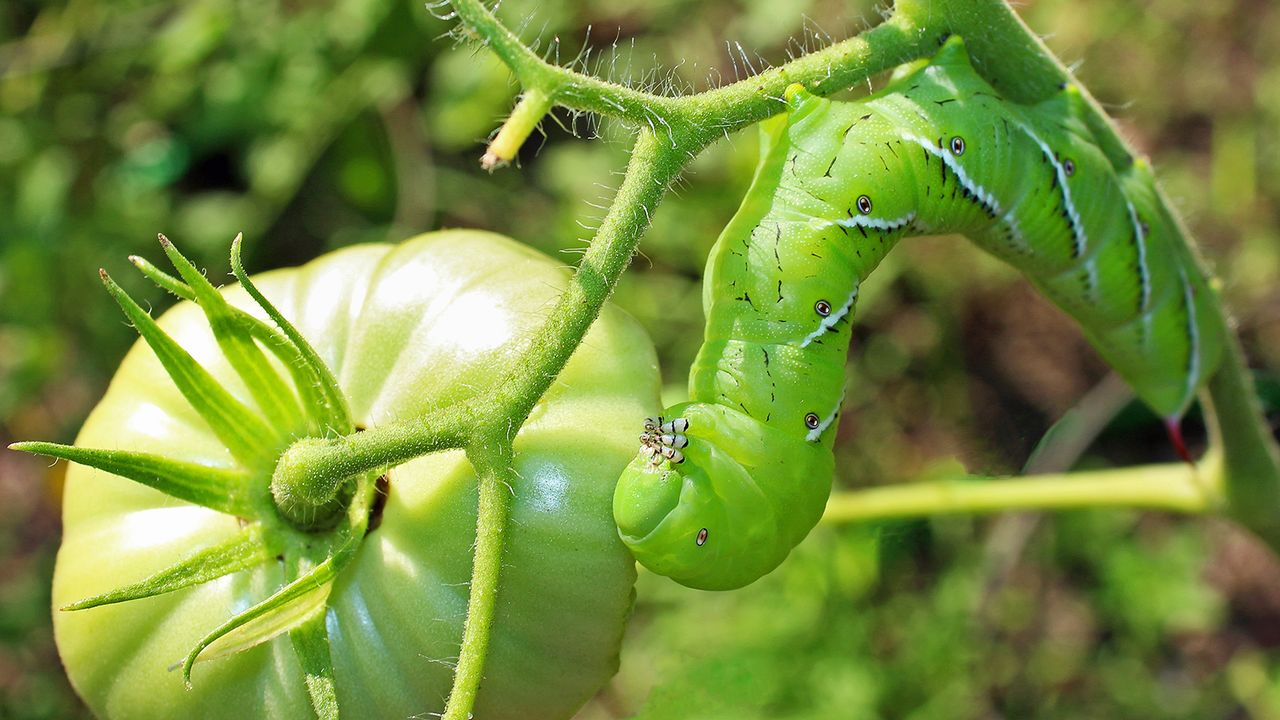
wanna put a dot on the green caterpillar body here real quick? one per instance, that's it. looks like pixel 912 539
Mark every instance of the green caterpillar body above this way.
pixel 724 488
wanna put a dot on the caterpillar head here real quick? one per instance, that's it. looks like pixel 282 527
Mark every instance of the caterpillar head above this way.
pixel 728 505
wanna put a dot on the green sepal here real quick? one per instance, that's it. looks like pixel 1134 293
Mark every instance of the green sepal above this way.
pixel 242 551
pixel 311 644
pixel 162 279
pixel 281 612
pixel 293 604
pixel 314 402
pixel 313 399
pixel 239 429
pixel 226 490
pixel 278 614
pixel 337 414
pixel 273 396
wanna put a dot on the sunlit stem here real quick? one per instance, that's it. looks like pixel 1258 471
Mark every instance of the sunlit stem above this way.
pixel 495 476
pixel 533 105
pixel 1175 487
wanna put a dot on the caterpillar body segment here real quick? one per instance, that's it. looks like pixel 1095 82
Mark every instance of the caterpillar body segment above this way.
pixel 838 185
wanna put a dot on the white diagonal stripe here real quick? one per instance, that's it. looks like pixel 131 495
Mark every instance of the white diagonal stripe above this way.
pixel 1078 237
pixel 816 433
pixel 1144 274
pixel 866 221
pixel 958 170
pixel 829 321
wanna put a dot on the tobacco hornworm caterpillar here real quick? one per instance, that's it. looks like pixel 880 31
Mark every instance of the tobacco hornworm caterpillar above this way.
pixel 838 184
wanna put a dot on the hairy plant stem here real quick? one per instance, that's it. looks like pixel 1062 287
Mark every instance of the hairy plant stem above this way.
pixel 673 130
pixel 310 475
pixel 653 167
pixel 495 474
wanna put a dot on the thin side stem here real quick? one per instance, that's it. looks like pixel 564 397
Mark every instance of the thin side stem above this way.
pixel 494 474
pixel 1175 488
pixel 696 120
pixel 528 113
pixel 592 94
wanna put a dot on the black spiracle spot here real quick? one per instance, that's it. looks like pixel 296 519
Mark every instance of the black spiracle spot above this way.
pixel 701 539
pixel 812 421
pixel 864 204
pixel 957 146
pixel 822 307
pixel 1069 167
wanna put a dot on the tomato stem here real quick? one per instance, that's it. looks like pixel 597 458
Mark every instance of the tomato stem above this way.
pixel 1175 487
pixel 495 474
pixel 311 474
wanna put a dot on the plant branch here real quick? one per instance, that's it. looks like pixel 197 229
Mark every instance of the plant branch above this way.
pixel 561 85
pixel 1174 487
pixel 1015 60
pixel 652 169
pixel 697 120
pixel 495 475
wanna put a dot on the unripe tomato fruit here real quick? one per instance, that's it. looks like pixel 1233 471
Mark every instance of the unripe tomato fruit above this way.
pixel 405 328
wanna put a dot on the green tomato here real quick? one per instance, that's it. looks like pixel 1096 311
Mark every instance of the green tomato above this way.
pixel 405 328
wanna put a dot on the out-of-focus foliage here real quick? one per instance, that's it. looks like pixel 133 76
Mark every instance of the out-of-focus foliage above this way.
pixel 314 125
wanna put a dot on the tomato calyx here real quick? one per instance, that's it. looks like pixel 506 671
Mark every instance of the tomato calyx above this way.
pixel 314 536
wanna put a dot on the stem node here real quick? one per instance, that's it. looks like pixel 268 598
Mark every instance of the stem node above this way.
pixel 307 489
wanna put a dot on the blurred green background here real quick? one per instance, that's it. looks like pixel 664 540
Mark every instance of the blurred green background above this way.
pixel 310 126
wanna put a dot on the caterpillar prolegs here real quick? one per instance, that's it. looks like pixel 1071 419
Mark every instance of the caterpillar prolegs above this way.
pixel 938 151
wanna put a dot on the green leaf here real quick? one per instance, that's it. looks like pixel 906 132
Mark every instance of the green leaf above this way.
pixel 311 644
pixel 222 489
pixel 273 396
pixel 249 439
pixel 242 551
pixel 337 413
